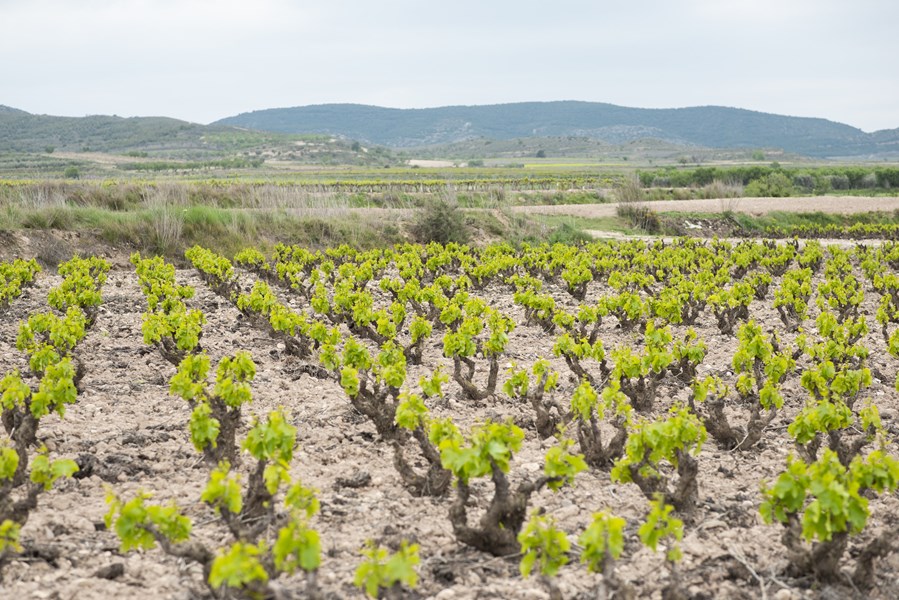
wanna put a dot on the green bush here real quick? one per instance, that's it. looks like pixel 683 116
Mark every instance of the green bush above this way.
pixel 773 185
pixel 440 221
pixel 568 234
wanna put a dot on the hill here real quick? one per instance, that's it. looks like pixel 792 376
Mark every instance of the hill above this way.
pixel 708 126
pixel 23 133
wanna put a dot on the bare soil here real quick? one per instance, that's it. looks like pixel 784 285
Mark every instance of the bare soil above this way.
pixel 132 436
pixel 755 206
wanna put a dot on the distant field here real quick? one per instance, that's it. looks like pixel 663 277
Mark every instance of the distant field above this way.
pixel 177 203
pixel 571 165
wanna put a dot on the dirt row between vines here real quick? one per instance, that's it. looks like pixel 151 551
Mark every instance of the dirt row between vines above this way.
pixel 132 436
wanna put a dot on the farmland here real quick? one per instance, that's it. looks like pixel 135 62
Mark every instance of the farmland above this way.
pixel 762 368
pixel 225 209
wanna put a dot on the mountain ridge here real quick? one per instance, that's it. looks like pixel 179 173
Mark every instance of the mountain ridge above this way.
pixel 715 127
pixel 709 126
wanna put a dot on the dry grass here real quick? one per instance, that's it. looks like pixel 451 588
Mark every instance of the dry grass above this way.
pixel 167 204
pixel 722 189
pixel 632 207
pixel 40 196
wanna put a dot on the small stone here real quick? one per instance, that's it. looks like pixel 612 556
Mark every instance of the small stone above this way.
pixel 783 594
pixel 281 346
pixel 692 546
pixel 566 512
pixel 713 524
pixel 358 479
pixel 447 594
pixel 113 571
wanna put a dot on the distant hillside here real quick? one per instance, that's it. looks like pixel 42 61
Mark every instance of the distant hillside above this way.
pixel 24 132
pixel 165 138
pixel 9 110
pixel 709 126
pixel 555 147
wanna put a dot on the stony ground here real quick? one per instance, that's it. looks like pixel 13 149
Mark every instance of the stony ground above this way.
pixel 130 434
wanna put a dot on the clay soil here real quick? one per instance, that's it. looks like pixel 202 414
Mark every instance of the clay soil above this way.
pixel 131 435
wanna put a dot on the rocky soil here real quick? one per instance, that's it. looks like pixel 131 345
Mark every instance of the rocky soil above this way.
pixel 130 435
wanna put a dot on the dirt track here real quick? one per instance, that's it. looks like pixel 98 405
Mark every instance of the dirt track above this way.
pixel 827 204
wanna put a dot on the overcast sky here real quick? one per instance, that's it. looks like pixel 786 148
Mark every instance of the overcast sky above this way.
pixel 202 60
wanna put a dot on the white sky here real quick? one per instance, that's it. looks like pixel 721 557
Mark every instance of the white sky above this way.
pixel 201 60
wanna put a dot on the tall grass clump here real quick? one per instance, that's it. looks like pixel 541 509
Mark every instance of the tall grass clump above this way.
pixel 631 206
pixel 41 196
pixel 167 205
pixel 722 189
pixel 168 225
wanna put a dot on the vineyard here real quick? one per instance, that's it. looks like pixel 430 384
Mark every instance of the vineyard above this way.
pixel 686 419
pixel 402 180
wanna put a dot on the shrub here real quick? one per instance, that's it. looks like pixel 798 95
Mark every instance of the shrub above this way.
pixel 639 216
pixel 839 182
pixel 806 181
pixel 773 185
pixel 568 234
pixel 441 221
